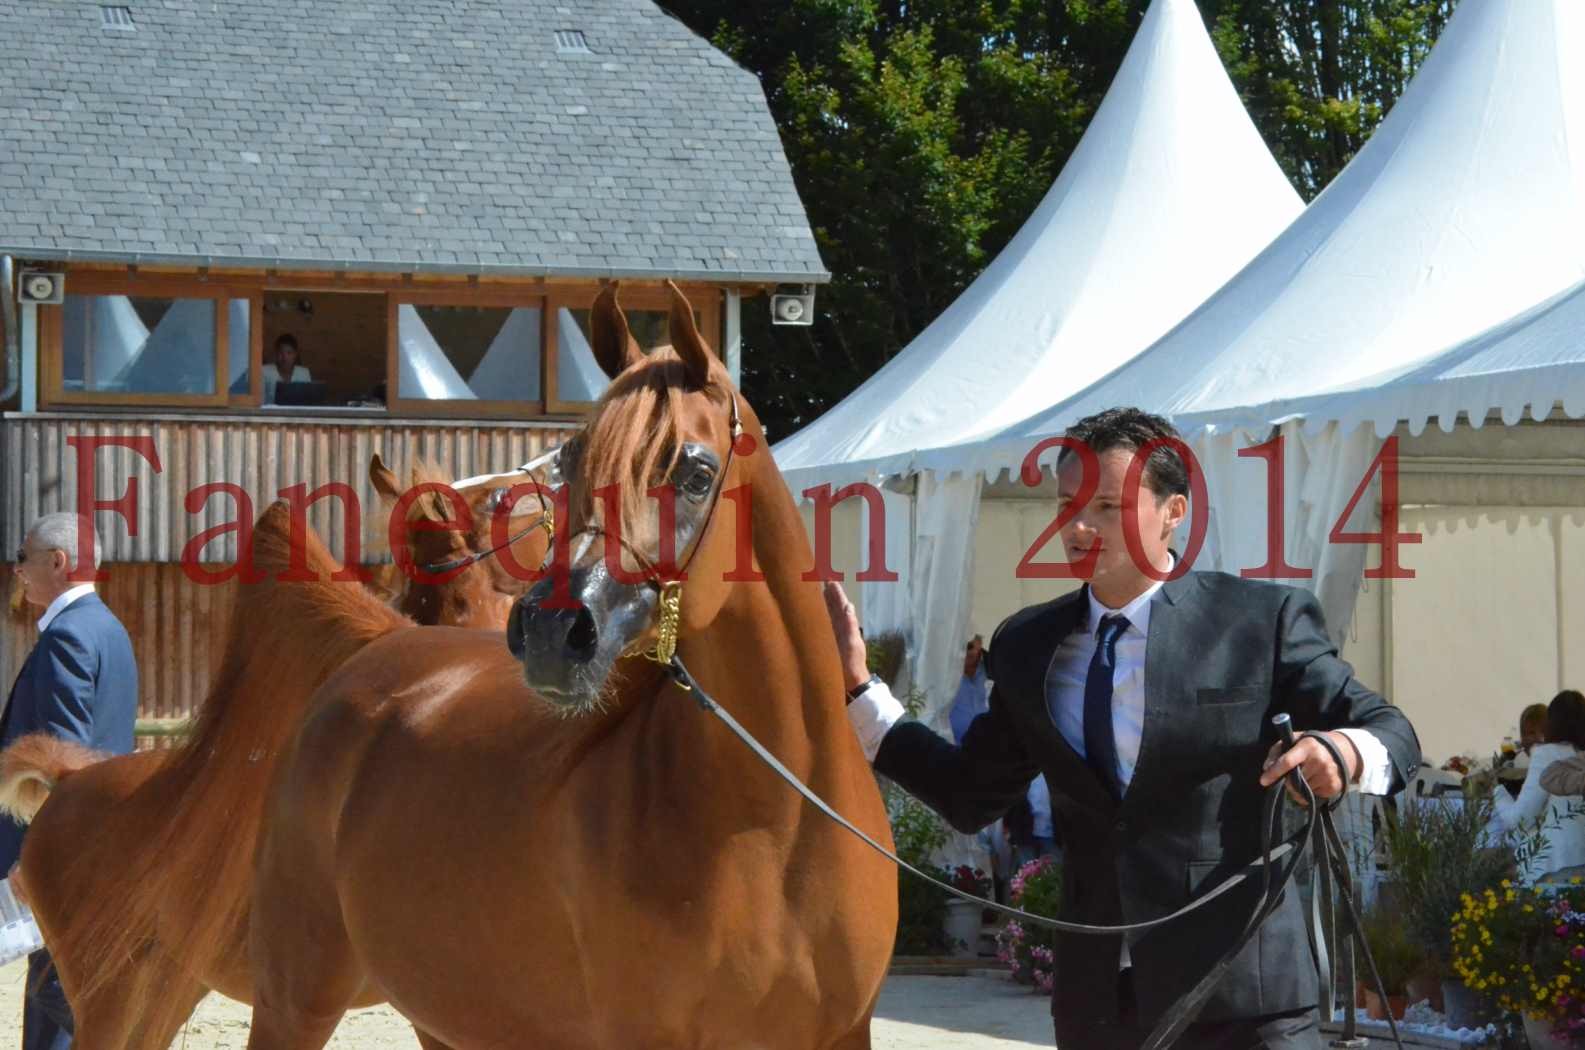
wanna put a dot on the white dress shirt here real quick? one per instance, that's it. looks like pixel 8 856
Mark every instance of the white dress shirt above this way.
pixel 61 601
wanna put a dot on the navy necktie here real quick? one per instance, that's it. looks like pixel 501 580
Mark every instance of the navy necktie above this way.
pixel 1100 745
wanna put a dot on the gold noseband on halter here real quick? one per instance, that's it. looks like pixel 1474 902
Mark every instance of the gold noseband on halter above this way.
pixel 668 614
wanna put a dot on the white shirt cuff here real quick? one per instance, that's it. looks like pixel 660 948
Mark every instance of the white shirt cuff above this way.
pixel 1375 765
pixel 872 716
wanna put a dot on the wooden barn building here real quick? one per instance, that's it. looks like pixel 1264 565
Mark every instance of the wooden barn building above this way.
pixel 424 196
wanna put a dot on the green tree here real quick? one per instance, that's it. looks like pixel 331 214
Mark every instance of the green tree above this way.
pixel 922 133
pixel 1318 75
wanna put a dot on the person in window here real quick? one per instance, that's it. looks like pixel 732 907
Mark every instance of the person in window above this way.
pixel 285 369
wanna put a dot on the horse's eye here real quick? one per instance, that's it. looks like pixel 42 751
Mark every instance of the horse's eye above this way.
pixel 697 484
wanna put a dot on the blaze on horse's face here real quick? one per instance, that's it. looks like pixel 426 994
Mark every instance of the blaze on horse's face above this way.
pixel 664 423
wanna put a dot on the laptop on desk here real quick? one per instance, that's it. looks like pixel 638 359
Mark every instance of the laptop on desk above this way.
pixel 313 392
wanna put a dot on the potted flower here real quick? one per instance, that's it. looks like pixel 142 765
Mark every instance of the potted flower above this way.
pixel 1027 949
pixel 1525 948
pixel 964 918
pixel 1397 958
pixel 1439 851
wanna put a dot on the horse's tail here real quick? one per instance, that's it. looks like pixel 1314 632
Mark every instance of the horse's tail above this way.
pixel 186 891
pixel 30 769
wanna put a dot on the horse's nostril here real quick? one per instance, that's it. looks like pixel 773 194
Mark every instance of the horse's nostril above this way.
pixel 583 637
pixel 514 630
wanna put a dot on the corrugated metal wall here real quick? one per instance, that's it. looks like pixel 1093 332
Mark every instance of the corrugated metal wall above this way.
pixel 263 455
pixel 179 627
pixel 178 632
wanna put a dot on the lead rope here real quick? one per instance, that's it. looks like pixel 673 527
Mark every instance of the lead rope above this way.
pixel 1317 832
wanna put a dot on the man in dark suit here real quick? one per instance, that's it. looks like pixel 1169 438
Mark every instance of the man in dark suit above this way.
pixel 1147 705
pixel 79 683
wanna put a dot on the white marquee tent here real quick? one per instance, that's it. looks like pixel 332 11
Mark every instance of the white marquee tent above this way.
pixel 1169 193
pixel 1464 210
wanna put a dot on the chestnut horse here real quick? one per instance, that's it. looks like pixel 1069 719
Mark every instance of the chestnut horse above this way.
pixel 572 855
pixel 474 593
pixel 110 821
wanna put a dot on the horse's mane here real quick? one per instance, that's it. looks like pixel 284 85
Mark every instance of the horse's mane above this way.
pixel 634 439
pixel 285 640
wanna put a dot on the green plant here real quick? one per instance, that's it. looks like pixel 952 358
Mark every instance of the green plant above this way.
pixel 884 654
pixel 921 907
pixel 1439 851
pixel 1398 957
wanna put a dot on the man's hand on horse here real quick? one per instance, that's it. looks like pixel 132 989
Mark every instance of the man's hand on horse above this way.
pixel 1315 765
pixel 850 640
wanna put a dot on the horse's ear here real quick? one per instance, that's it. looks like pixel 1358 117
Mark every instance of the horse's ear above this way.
pixel 611 340
pixel 685 338
pixel 382 479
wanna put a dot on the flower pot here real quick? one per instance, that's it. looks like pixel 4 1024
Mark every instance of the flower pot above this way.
pixel 1427 988
pixel 1463 1007
pixel 1376 1010
pixel 963 928
pixel 1539 1033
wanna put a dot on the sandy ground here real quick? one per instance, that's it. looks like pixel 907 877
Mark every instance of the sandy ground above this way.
pixel 916 1013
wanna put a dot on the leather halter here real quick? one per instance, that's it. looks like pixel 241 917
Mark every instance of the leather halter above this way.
pixel 669 604
pixel 546 520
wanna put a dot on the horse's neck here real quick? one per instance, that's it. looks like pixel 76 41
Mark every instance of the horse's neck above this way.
pixel 770 658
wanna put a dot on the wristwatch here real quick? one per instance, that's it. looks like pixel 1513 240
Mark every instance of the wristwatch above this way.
pixel 859 690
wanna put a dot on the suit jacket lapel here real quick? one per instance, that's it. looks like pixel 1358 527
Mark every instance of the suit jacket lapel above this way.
pixel 1163 658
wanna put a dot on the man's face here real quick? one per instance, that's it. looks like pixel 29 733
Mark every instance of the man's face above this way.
pixel 1097 526
pixel 971 658
pixel 42 571
pixel 286 355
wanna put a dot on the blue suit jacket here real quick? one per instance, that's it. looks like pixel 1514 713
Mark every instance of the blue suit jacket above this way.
pixel 80 683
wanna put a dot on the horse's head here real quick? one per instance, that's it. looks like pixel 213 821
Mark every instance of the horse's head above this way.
pixel 440 582
pixel 645 482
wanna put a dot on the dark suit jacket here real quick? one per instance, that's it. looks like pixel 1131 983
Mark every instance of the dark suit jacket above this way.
pixel 80 683
pixel 1223 655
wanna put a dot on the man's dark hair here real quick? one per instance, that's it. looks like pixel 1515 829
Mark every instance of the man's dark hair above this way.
pixel 286 339
pixel 1131 429
pixel 1565 719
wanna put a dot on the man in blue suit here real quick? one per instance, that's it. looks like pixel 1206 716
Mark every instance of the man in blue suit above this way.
pixel 79 683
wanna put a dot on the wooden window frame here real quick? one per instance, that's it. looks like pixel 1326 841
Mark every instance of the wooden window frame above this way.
pixel 707 300
pixel 418 407
pixel 53 391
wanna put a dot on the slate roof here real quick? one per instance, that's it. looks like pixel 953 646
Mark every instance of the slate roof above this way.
pixel 425 135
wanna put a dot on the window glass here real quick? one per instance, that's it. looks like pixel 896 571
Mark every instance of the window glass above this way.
pixel 468 353
pixel 138 345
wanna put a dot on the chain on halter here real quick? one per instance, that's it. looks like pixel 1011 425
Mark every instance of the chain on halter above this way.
pixel 668 622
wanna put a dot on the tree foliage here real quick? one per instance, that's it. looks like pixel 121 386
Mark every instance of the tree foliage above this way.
pixel 922 134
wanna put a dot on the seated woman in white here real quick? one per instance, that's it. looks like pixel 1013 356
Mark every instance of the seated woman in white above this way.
pixel 285 369
pixel 1564 835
